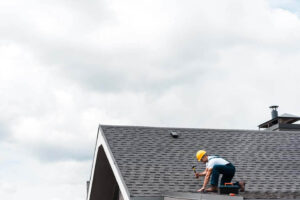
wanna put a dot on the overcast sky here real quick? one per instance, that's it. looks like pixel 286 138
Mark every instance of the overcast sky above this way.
pixel 66 66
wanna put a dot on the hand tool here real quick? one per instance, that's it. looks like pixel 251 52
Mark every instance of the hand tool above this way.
pixel 194 169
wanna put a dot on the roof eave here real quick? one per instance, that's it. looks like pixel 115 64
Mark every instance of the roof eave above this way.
pixel 264 125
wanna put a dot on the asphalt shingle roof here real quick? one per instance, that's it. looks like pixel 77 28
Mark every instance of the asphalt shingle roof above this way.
pixel 152 162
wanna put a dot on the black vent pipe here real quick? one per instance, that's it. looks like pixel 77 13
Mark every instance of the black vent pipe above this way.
pixel 274 111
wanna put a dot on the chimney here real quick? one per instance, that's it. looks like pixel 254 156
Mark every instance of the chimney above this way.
pixel 274 111
pixel 284 122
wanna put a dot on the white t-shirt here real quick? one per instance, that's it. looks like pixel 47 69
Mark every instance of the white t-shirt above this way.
pixel 213 160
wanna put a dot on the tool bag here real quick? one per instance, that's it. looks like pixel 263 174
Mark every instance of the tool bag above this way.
pixel 229 188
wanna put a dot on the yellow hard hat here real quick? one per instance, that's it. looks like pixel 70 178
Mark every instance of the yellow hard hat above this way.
pixel 200 154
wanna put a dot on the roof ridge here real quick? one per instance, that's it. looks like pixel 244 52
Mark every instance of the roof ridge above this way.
pixel 186 128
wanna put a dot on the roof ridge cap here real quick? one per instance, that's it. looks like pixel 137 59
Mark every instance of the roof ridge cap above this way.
pixel 186 128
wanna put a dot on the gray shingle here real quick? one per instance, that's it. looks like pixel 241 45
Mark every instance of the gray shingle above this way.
pixel 152 162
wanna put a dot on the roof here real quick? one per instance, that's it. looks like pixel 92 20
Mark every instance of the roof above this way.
pixel 285 118
pixel 197 196
pixel 151 162
pixel 289 115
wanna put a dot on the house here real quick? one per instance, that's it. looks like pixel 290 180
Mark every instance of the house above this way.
pixel 155 163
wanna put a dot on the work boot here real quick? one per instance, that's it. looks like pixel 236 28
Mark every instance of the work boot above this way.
pixel 212 189
pixel 242 186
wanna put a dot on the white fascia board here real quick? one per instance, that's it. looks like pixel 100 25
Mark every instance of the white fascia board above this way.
pixel 98 143
pixel 101 140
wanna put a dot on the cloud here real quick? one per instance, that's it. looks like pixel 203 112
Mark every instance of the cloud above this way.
pixel 66 66
pixel 31 179
pixel 290 5
pixel 141 46
pixel 3 131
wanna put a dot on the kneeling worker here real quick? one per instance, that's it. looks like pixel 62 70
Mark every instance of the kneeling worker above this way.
pixel 215 166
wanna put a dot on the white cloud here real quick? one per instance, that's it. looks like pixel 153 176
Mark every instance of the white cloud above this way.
pixel 66 66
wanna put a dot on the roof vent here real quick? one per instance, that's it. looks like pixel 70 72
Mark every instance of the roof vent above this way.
pixel 274 111
pixel 174 134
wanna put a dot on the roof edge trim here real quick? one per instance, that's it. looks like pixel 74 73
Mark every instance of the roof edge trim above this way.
pixel 123 188
pixel 93 166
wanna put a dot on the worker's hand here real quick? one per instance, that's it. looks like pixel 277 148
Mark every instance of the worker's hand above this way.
pixel 197 175
pixel 201 189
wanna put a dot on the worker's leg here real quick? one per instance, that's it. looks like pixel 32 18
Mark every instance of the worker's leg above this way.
pixel 228 172
pixel 217 169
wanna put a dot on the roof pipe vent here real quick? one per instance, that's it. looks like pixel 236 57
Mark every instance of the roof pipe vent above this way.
pixel 174 134
pixel 274 111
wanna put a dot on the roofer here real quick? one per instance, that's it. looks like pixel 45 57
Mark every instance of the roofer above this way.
pixel 215 166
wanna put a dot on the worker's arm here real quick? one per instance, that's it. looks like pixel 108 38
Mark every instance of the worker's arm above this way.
pixel 206 179
pixel 202 173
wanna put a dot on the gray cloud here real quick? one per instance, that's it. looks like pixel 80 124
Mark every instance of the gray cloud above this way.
pixel 180 55
pixel 56 153
pixel 4 133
